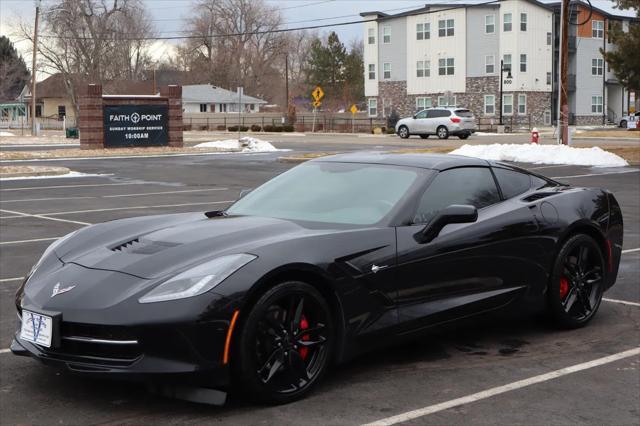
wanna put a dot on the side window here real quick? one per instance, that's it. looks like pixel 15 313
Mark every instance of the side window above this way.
pixel 511 182
pixel 422 114
pixel 468 185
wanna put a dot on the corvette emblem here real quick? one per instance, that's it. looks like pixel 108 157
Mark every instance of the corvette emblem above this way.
pixel 57 290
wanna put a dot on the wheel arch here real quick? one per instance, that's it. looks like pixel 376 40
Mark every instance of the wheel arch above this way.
pixel 588 228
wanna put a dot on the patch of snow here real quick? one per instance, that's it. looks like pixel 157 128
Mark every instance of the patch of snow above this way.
pixel 6 134
pixel 71 174
pixel 245 144
pixel 543 154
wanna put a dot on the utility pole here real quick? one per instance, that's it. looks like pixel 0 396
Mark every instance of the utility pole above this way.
pixel 34 129
pixel 286 82
pixel 563 123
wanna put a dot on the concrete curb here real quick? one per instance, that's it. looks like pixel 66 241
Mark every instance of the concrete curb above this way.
pixel 38 171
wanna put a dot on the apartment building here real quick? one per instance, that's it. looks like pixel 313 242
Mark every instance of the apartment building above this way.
pixel 450 54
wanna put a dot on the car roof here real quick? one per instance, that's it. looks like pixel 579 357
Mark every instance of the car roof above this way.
pixel 423 161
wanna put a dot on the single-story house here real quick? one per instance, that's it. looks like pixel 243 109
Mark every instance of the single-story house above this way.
pixel 208 98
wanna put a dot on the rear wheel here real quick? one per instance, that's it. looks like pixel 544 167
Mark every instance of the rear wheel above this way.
pixel 577 283
pixel 463 135
pixel 424 136
pixel 442 132
pixel 403 132
pixel 285 343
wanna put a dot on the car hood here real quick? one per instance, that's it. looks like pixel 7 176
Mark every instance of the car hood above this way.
pixel 157 246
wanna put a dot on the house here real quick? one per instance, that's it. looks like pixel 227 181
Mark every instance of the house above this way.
pixel 439 55
pixel 208 98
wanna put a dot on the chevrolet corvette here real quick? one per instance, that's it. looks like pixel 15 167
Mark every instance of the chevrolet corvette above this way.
pixel 332 258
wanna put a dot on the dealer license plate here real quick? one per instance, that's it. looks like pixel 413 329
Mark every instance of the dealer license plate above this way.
pixel 36 328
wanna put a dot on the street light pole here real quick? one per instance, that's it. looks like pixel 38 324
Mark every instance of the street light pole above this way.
pixel 34 125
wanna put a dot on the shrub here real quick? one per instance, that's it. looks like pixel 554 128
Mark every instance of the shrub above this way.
pixel 268 128
pixel 232 128
pixel 221 127
pixel 277 128
pixel 256 127
pixel 287 128
pixel 244 128
pixel 391 131
pixel 203 127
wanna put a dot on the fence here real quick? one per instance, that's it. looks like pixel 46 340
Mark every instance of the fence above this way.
pixel 46 123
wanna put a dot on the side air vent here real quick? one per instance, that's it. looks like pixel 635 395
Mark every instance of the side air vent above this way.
pixel 124 246
pixel 143 246
pixel 538 196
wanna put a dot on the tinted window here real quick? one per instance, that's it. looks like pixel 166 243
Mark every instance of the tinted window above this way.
pixel 422 114
pixel 464 113
pixel 512 183
pixel 469 185
pixel 442 113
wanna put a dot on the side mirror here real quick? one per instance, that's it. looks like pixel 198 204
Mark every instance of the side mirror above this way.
pixel 244 192
pixel 455 213
pixel 415 116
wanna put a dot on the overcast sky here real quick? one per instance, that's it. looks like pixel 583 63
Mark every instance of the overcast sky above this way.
pixel 169 15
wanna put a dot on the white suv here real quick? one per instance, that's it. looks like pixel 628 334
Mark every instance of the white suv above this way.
pixel 442 122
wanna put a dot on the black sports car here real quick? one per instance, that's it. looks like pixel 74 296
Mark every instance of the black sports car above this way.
pixel 333 257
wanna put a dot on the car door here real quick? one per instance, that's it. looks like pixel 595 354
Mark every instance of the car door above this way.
pixel 463 270
pixel 420 122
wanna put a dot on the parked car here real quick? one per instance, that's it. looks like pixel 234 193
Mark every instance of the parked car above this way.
pixel 626 118
pixel 440 121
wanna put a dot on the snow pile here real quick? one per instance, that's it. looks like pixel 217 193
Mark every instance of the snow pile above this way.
pixel 543 154
pixel 6 134
pixel 245 144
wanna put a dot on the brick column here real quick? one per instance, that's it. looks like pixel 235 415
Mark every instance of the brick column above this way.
pixel 90 122
pixel 174 97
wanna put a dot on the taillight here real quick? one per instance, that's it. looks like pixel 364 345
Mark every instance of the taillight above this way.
pixel 455 119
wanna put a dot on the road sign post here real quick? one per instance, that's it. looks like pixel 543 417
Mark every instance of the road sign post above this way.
pixel 354 110
pixel 317 95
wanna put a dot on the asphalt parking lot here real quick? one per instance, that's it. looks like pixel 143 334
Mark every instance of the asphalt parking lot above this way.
pixel 453 375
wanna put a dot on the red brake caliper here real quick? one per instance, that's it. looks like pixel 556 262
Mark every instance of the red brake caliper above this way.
pixel 564 287
pixel 304 324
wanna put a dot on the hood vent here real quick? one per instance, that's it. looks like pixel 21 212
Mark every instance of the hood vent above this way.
pixel 143 246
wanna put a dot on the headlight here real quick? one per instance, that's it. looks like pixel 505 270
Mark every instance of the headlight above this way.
pixel 50 249
pixel 197 280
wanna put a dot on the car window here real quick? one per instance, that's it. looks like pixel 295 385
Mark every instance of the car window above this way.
pixel 432 113
pixel 512 183
pixel 443 113
pixel 464 113
pixel 468 185
pixel 422 114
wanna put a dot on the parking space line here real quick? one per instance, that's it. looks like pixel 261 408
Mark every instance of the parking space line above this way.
pixel 5 351
pixel 45 199
pixel 28 241
pixel 45 217
pixel 595 174
pixel 630 250
pixel 6 280
pixel 164 192
pixel 622 302
pixel 422 412
pixel 27 188
pixel 134 208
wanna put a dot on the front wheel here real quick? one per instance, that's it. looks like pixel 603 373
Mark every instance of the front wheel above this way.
pixel 577 283
pixel 285 344
pixel 403 132
pixel 443 132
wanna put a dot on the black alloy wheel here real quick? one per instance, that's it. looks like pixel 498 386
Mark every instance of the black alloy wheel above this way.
pixel 578 282
pixel 286 343
pixel 464 136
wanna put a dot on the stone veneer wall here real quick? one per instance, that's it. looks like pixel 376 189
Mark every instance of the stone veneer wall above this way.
pixel 393 95
pixel 588 120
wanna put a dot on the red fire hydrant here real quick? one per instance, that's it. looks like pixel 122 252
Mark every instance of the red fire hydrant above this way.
pixel 535 135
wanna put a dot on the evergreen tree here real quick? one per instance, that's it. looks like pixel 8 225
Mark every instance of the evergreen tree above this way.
pixel 625 60
pixel 13 71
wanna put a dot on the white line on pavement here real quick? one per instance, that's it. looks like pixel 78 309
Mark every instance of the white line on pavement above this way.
pixel 164 192
pixel 630 250
pixel 622 302
pixel 6 280
pixel 596 174
pixel 45 217
pixel 5 351
pixel 71 186
pixel 135 208
pixel 45 199
pixel 421 412
pixel 29 241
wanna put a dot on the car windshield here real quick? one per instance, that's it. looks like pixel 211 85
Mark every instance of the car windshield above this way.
pixel 464 113
pixel 344 193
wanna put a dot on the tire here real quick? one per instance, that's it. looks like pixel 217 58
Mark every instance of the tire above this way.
pixel 273 366
pixel 577 282
pixel 424 136
pixel 442 132
pixel 463 136
pixel 623 124
pixel 403 132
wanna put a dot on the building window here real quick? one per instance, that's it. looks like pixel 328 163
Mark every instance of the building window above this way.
pixel 596 104
pixel 489 104
pixel 372 71
pixel 490 24
pixel 547 118
pixel 447 101
pixel 507 24
pixel 523 63
pixel 507 104
pixel 549 79
pixel 549 39
pixel 445 28
pixel 373 107
pixel 38 110
pixel 423 103
pixel 423 31
pixel 203 107
pixel 386 71
pixel 522 104
pixel 62 111
pixel 489 64
pixel 386 35
pixel 446 66
pixel 372 35
pixel 423 69
pixel 506 62
pixel 597 66
pixel 523 22
pixel 597 29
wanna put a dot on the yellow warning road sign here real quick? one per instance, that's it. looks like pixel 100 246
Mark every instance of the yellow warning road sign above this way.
pixel 353 109
pixel 317 93
pixel 316 104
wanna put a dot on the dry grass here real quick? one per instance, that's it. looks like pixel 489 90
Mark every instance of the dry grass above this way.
pixel 629 153
pixel 15 171
pixel 626 134
pixel 113 152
